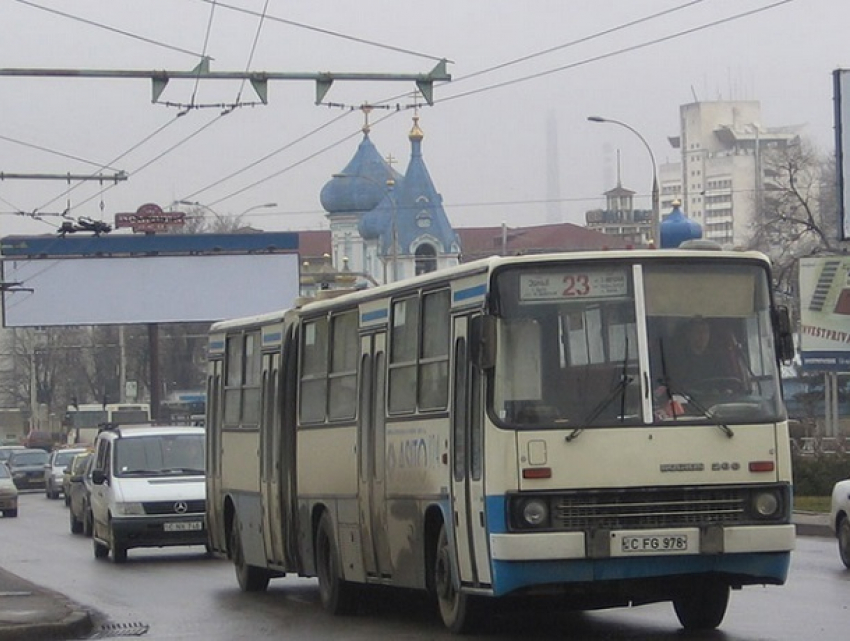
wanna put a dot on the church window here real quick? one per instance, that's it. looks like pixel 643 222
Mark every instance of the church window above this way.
pixel 426 259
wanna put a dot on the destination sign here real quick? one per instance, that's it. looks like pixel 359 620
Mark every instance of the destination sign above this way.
pixel 574 284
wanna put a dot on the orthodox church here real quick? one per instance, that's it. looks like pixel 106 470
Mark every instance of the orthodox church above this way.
pixel 386 226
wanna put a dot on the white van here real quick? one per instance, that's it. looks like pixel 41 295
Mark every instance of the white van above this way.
pixel 148 489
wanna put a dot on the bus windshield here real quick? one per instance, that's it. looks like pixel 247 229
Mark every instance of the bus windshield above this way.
pixel 592 345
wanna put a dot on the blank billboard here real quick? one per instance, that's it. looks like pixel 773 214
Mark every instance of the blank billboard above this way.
pixel 147 289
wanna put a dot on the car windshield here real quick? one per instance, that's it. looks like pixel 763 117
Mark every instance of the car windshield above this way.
pixel 160 454
pixel 61 459
pixel 29 458
pixel 4 471
pixel 79 463
pixel 6 454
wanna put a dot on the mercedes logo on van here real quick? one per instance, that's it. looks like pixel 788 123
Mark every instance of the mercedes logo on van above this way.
pixel 180 507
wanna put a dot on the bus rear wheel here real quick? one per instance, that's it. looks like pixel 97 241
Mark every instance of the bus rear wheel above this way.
pixel 458 610
pixel 703 605
pixel 250 577
pixel 338 596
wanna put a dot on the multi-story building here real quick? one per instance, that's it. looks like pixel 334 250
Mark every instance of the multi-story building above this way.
pixel 720 175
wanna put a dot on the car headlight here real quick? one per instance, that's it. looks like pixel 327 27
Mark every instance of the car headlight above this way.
pixel 129 509
pixel 535 513
pixel 766 504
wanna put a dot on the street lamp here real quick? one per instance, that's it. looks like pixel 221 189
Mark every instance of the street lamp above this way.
pixel 264 206
pixel 656 222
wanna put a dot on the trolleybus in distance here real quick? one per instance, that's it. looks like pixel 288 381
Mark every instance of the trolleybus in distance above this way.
pixel 512 427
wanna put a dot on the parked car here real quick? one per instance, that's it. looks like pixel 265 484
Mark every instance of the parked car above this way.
pixel 79 493
pixel 148 489
pixel 839 518
pixel 27 467
pixel 57 461
pixel 8 492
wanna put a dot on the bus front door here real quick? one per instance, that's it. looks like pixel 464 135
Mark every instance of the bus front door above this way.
pixel 467 448
pixel 372 469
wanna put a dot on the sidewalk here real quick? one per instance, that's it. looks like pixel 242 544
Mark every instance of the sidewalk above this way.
pixel 29 612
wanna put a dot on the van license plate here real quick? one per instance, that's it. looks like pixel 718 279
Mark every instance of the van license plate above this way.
pixel 185 526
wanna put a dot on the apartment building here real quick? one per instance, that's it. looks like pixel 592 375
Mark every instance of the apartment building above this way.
pixel 720 173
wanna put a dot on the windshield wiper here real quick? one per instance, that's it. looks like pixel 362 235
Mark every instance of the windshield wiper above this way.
pixel 619 390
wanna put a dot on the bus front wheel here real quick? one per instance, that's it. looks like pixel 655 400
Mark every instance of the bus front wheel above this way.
pixel 250 577
pixel 457 609
pixel 338 596
pixel 703 605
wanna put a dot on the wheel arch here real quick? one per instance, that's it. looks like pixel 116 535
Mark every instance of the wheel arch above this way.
pixel 434 519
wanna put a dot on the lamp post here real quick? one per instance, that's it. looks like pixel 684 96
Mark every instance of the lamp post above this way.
pixel 656 222
pixel 255 207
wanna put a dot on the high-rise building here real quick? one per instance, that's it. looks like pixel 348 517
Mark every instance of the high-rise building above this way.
pixel 720 174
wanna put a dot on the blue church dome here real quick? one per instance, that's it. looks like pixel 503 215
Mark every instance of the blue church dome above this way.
pixel 677 228
pixel 361 185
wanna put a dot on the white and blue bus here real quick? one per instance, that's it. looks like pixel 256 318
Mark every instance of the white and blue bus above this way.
pixel 516 426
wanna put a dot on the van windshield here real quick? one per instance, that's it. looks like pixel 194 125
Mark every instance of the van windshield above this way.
pixel 160 455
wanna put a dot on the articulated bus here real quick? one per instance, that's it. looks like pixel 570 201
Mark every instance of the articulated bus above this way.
pixel 516 426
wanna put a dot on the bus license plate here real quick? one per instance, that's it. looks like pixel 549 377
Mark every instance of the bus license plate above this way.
pixel 636 544
pixel 186 526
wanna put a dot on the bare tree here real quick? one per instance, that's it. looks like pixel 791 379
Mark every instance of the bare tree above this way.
pixel 797 214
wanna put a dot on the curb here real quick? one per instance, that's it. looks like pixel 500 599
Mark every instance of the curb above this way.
pixel 77 624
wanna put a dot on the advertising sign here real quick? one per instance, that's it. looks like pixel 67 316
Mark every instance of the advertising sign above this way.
pixel 825 313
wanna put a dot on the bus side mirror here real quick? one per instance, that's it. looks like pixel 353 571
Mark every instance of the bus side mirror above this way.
pixel 482 341
pixel 783 335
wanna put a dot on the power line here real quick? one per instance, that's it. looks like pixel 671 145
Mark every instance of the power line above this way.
pixel 99 25
pixel 327 32
pixel 612 54
pixel 56 153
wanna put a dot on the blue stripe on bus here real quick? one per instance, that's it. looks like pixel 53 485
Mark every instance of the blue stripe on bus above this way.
pixel 469 292
pixel 763 567
pixel 508 576
pixel 374 315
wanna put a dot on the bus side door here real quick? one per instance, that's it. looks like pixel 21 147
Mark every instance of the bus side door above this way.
pixel 467 448
pixel 372 456
pixel 215 522
pixel 270 464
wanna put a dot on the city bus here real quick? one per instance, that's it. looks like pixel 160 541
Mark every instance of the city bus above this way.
pixel 511 427
pixel 83 421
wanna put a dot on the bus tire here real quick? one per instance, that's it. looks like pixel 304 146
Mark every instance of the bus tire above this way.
pixel 338 596
pixel 458 610
pixel 844 541
pixel 250 577
pixel 703 605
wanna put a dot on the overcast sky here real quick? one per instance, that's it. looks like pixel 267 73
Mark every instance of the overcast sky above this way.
pixel 548 64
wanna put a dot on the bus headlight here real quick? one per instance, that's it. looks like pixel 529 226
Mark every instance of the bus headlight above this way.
pixel 766 504
pixel 535 513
